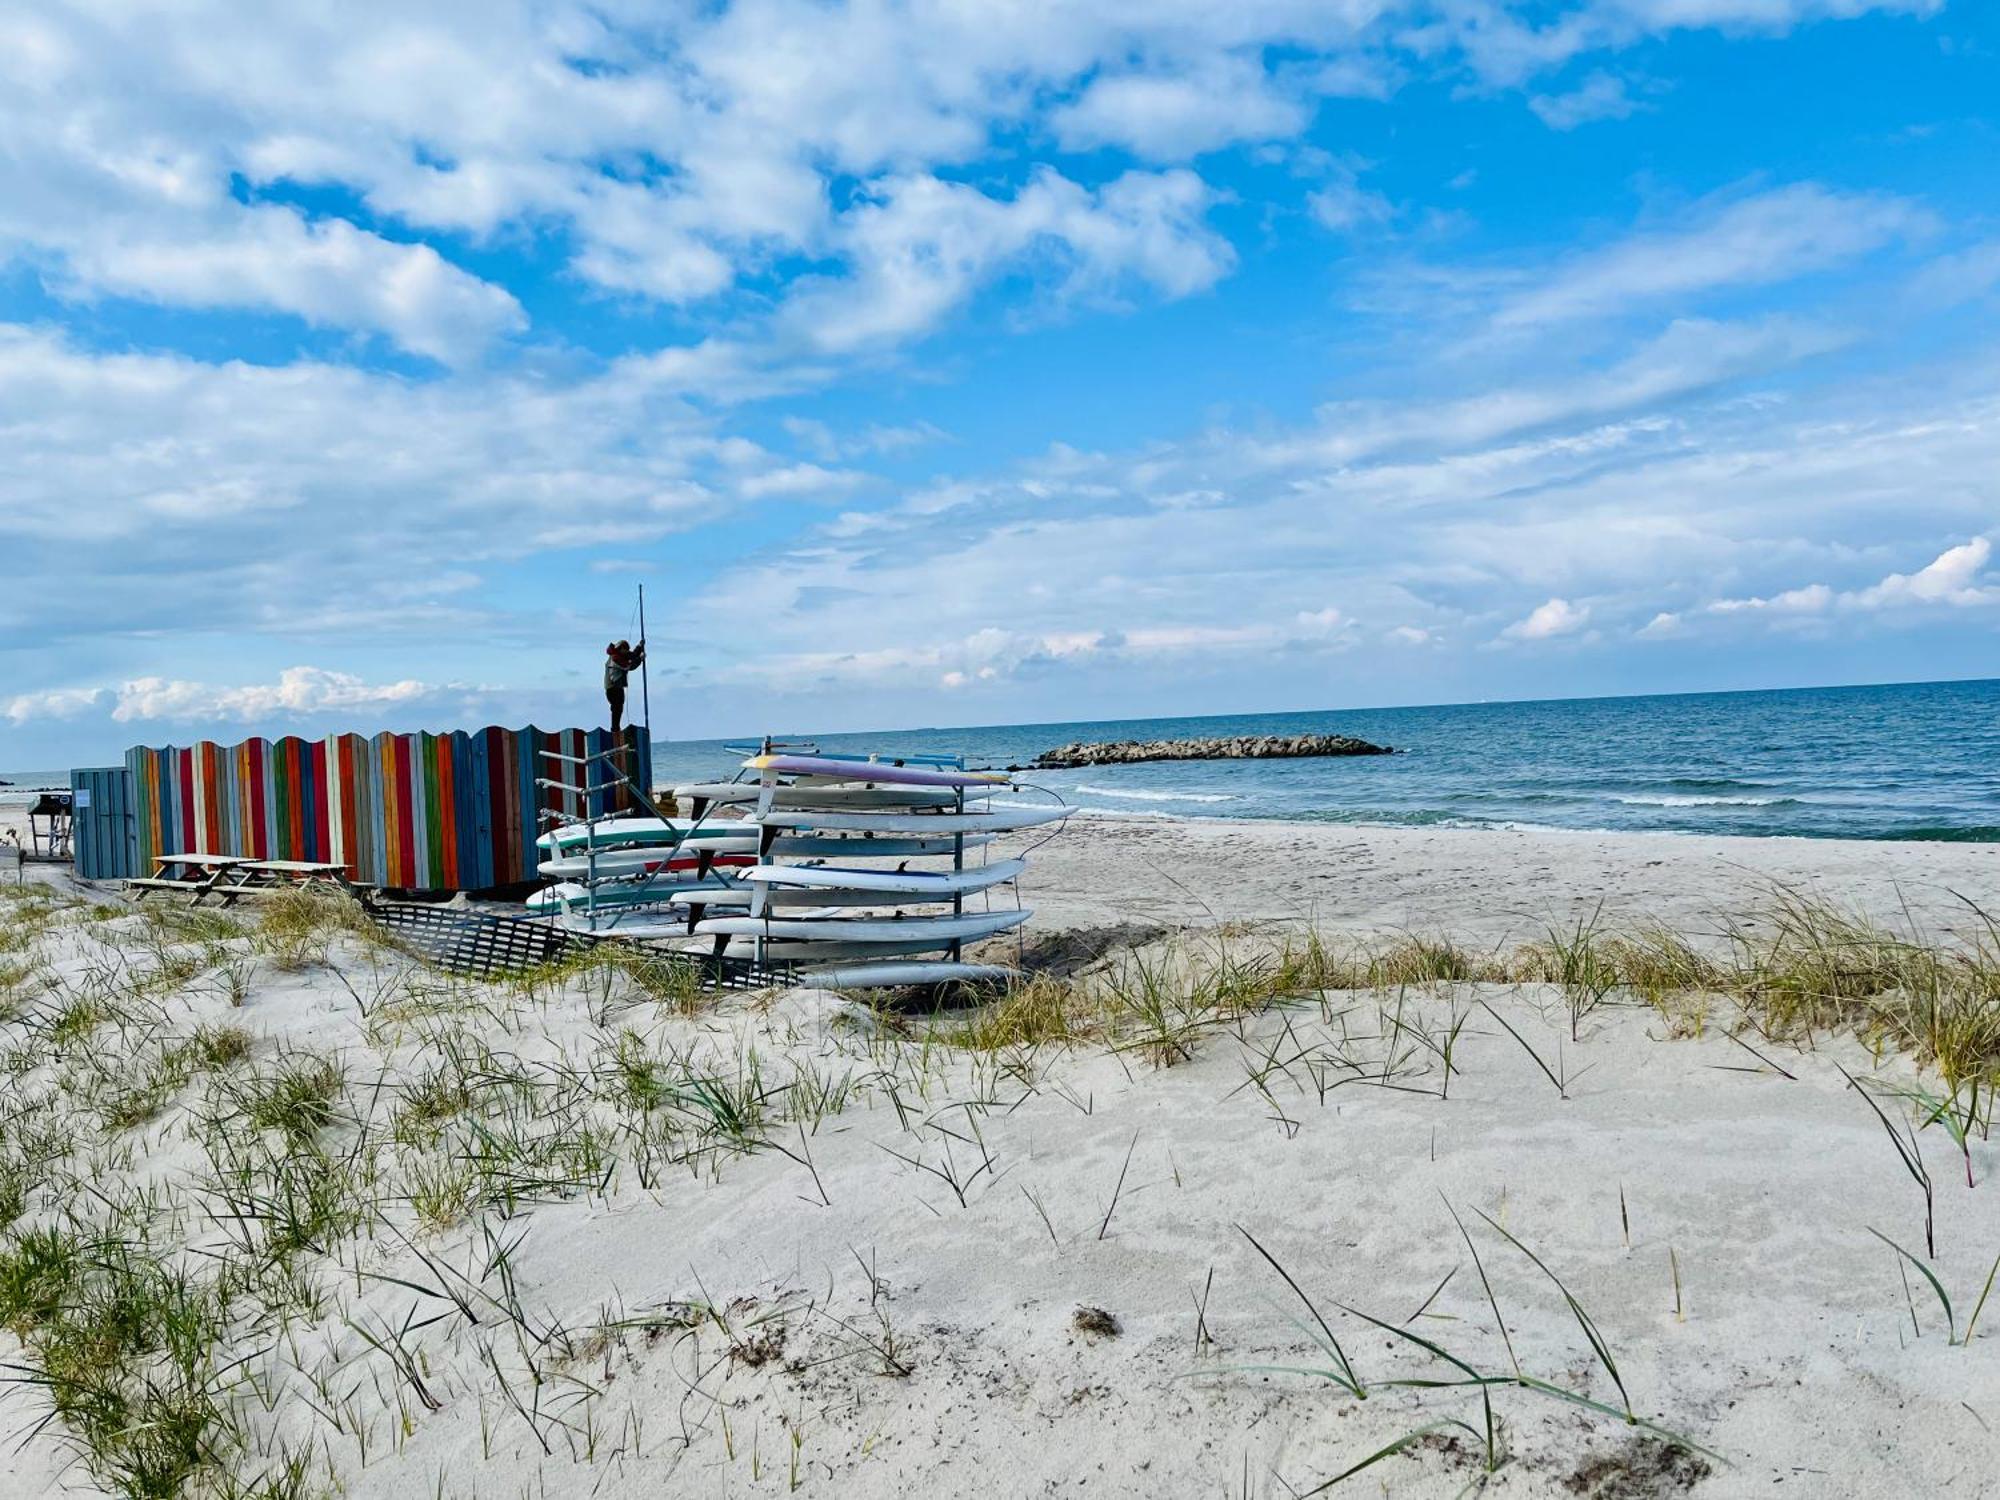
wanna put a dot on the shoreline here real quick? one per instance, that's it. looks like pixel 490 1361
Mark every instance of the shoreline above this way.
pixel 1479 882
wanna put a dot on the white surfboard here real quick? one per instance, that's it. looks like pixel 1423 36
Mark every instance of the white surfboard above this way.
pixel 934 884
pixel 775 766
pixel 735 898
pixel 997 820
pixel 960 928
pixel 571 897
pixel 623 832
pixel 866 976
pixel 844 797
pixel 729 854
pixel 781 950
pixel 862 846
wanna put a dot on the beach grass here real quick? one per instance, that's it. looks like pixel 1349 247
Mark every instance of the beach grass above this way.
pixel 458 1107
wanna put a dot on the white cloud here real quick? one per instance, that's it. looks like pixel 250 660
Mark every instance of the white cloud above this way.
pixel 1953 577
pixel 1342 204
pixel 52 703
pixel 298 691
pixel 1171 116
pixel 922 246
pixel 276 501
pixel 1320 621
pixel 1547 621
pixel 1601 96
pixel 1956 578
pixel 1407 635
pixel 1813 599
pixel 794 481
pixel 680 155
pixel 1760 240
pixel 328 273
pixel 1664 626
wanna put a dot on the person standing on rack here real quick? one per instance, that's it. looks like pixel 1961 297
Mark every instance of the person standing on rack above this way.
pixel 620 657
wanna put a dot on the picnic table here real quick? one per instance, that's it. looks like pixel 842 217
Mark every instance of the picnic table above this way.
pixel 230 877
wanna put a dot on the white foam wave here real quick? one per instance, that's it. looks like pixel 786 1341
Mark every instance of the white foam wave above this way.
pixel 1669 801
pixel 1105 791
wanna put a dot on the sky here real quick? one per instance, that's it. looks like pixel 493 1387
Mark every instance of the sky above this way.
pixel 968 363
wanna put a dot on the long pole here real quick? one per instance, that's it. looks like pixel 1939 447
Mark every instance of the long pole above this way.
pixel 645 684
pixel 645 772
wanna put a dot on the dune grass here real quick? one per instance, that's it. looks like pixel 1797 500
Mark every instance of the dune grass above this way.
pixel 454 1113
pixel 1797 966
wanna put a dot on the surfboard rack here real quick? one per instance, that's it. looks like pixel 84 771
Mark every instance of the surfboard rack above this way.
pixel 898 807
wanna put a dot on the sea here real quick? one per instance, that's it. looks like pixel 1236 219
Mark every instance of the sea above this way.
pixel 1908 761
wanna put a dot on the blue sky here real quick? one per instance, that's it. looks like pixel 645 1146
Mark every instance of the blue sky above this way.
pixel 938 364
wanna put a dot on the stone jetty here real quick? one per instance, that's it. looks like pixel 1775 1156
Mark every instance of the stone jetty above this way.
pixel 1232 747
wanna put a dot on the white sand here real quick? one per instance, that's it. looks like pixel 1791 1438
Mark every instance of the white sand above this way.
pixel 1481 884
pixel 1795 1357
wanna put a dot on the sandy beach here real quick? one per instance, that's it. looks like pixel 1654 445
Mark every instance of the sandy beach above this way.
pixel 1481 885
pixel 583 1237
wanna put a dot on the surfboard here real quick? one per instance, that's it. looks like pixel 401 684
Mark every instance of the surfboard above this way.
pixel 860 846
pixel 736 897
pixel 957 928
pixel 870 770
pixel 867 976
pixel 625 832
pixel 998 820
pixel 619 863
pixel 935 885
pixel 571 897
pixel 742 793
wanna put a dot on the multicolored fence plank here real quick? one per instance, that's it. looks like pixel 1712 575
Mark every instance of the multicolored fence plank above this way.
pixel 413 812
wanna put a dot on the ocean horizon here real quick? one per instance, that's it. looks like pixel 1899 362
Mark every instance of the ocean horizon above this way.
pixel 1895 761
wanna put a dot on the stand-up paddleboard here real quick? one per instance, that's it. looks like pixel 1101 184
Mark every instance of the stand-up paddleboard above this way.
pixel 876 976
pixel 855 798
pixel 999 820
pixel 611 833
pixel 737 897
pixel 781 950
pixel 929 885
pixel 871 770
pixel 957 928
pixel 572 897
pixel 624 863
pixel 860 846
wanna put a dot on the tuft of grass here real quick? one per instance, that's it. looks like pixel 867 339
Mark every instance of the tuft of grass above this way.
pixel 296 926
pixel 295 1096
pixel 1037 1010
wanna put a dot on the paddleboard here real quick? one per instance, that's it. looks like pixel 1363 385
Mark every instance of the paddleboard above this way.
pixel 743 793
pixel 620 863
pixel 999 820
pixel 737 896
pixel 625 832
pixel 860 846
pixel 912 971
pixel 779 950
pixel 935 884
pixel 870 770
pixel 571 897
pixel 958 928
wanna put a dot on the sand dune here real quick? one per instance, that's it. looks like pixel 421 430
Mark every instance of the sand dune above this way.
pixel 590 1238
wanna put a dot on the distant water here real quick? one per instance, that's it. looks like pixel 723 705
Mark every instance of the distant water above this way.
pixel 25 786
pixel 1914 761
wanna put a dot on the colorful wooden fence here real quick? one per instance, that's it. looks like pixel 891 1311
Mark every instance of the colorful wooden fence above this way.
pixel 414 812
